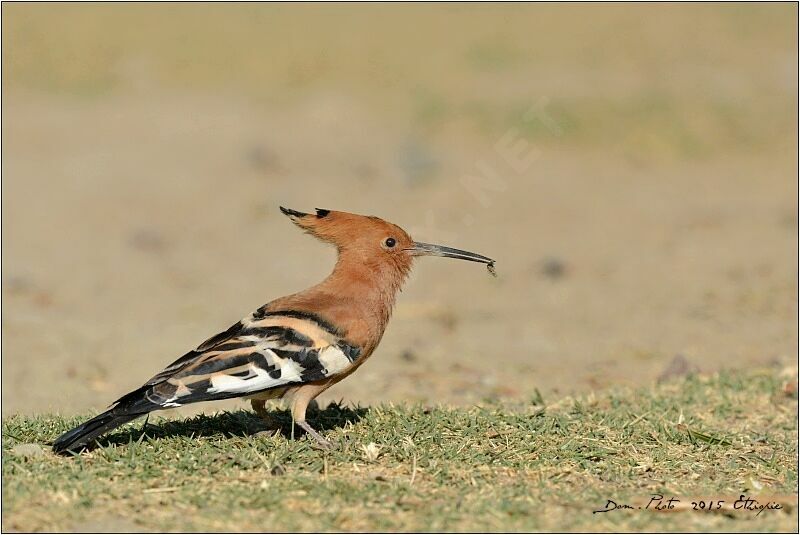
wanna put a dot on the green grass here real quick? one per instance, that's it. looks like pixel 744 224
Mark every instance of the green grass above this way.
pixel 502 466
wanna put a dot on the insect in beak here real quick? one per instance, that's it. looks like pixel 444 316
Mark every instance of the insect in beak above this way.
pixel 427 249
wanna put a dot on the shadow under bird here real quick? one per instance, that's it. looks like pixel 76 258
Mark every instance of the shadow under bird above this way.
pixel 294 347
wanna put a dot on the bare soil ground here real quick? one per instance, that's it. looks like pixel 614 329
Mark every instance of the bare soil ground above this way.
pixel 655 217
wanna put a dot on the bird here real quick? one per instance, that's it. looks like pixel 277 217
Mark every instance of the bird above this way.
pixel 294 347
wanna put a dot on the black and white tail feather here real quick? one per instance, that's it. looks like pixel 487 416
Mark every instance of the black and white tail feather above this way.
pixel 267 351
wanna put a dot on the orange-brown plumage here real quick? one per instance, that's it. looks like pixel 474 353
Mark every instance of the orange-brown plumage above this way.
pixel 360 292
pixel 295 346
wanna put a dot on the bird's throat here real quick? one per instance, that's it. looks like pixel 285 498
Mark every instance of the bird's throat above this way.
pixel 357 297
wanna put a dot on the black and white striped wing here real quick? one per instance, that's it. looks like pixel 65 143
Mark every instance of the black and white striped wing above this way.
pixel 262 352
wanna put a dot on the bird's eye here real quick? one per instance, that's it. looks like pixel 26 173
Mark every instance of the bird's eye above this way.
pixel 390 242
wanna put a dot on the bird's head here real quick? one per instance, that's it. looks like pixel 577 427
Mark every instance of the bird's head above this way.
pixel 372 240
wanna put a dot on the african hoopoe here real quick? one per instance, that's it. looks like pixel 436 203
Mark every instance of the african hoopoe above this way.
pixel 295 346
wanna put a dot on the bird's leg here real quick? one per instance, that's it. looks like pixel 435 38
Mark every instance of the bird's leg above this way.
pixel 260 408
pixel 302 397
pixel 322 441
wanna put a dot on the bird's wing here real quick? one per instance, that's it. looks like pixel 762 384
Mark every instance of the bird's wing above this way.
pixel 264 351
pixel 192 355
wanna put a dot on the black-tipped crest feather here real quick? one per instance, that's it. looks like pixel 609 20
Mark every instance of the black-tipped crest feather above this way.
pixel 292 213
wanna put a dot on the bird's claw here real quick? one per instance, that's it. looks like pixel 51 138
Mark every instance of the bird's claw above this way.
pixel 325 445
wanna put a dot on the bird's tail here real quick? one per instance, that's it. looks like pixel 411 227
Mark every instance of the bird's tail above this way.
pixel 125 409
pixel 76 439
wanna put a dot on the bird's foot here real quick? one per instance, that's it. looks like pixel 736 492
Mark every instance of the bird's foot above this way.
pixel 321 441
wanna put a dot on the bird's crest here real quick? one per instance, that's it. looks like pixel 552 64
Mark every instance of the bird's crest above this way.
pixel 346 230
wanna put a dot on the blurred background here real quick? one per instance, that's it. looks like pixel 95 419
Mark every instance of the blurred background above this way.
pixel 633 169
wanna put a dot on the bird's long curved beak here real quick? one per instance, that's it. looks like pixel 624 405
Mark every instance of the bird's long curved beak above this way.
pixel 427 249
